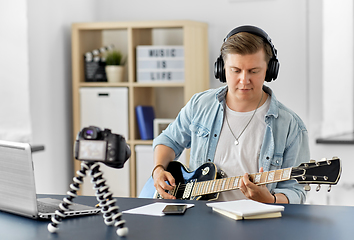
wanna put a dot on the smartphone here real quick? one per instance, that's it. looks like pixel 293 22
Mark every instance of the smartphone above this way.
pixel 174 209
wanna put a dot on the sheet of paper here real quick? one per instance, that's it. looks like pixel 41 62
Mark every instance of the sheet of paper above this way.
pixel 154 209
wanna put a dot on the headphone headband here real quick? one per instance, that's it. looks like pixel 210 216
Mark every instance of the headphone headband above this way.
pixel 253 30
pixel 273 65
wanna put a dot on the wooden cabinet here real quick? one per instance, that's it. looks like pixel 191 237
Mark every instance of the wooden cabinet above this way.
pixel 167 98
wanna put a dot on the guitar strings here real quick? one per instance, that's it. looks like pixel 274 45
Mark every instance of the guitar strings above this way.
pixel 296 170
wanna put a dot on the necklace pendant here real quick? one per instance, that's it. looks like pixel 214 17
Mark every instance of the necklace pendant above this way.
pixel 236 142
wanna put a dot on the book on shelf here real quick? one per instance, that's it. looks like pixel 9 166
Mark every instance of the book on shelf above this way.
pixel 145 117
pixel 246 209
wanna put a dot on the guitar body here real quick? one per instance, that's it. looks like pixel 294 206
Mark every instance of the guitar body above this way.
pixel 207 171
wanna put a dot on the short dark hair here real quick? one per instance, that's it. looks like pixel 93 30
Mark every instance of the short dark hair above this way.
pixel 245 43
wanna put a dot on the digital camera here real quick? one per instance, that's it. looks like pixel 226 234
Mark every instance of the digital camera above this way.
pixel 93 144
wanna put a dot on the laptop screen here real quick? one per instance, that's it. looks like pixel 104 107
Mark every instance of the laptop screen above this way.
pixel 17 185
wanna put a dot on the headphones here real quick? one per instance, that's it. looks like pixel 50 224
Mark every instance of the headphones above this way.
pixel 273 65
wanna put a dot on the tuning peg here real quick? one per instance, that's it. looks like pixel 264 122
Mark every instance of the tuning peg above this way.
pixel 329 188
pixel 312 161
pixel 307 187
pixel 318 187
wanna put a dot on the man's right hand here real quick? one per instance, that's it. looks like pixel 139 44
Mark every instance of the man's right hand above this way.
pixel 160 177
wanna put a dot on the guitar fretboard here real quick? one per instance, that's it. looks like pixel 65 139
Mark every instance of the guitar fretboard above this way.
pixel 232 183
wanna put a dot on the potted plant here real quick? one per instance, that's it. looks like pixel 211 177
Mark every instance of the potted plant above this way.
pixel 114 66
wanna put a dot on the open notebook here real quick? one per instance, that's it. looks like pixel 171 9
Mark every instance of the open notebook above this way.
pixel 17 185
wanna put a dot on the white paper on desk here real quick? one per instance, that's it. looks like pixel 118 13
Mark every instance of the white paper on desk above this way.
pixel 154 209
pixel 247 207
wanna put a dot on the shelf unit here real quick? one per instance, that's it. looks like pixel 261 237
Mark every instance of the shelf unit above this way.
pixel 166 98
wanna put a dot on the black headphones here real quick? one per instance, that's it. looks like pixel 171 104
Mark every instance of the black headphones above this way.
pixel 273 65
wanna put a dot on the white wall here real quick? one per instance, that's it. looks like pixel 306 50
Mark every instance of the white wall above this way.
pixel 337 89
pixel 294 25
pixel 15 121
pixel 49 29
pixel 283 20
pixel 338 62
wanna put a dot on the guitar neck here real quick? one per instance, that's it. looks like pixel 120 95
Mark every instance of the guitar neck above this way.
pixel 232 183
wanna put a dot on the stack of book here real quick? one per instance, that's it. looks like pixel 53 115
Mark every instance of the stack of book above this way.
pixel 246 209
pixel 160 63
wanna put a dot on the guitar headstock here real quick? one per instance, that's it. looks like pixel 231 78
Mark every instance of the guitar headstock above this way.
pixel 321 172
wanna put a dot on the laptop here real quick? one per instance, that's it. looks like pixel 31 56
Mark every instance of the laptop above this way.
pixel 17 186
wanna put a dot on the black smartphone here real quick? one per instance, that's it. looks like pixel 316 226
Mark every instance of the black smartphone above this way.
pixel 174 209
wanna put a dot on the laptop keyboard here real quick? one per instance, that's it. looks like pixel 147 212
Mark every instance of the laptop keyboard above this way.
pixel 47 208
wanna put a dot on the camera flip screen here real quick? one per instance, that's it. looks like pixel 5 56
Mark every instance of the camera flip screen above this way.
pixel 92 150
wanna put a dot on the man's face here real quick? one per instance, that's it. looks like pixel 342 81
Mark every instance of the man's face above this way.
pixel 245 76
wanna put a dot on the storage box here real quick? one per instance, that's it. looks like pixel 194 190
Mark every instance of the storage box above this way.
pixel 105 108
pixel 144 165
pixel 118 180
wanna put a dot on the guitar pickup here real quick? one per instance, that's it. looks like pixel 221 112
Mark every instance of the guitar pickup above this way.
pixel 188 190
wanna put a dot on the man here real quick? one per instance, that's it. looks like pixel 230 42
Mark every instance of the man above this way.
pixel 241 127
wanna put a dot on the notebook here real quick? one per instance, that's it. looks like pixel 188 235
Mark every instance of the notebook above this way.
pixel 17 185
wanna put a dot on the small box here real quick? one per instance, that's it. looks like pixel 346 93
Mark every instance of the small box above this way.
pixel 160 124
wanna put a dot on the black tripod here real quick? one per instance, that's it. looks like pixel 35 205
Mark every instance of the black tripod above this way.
pixel 110 211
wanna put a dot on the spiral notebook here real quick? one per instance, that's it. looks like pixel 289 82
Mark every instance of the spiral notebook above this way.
pixel 17 185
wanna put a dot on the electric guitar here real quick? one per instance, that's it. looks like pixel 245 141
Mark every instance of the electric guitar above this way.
pixel 206 182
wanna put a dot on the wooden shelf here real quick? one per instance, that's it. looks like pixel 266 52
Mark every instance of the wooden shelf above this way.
pixel 167 98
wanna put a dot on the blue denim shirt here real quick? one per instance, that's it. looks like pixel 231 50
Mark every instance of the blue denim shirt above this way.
pixel 199 123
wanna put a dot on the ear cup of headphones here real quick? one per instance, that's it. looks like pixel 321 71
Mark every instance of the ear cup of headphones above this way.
pixel 272 71
pixel 219 71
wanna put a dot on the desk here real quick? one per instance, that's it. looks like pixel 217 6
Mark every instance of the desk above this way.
pixel 199 222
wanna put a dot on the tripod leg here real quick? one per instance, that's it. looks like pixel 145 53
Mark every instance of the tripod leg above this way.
pixel 67 201
pixel 110 211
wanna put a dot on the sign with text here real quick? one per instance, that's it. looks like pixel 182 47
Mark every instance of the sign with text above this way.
pixel 160 63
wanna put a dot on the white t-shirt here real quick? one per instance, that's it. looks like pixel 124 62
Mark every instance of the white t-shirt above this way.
pixel 236 160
